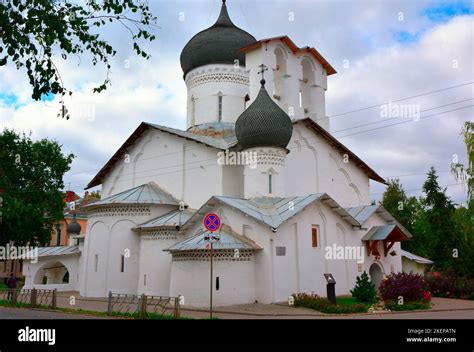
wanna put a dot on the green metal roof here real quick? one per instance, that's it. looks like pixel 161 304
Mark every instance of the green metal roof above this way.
pixel 149 193
pixel 227 240
pixel 362 213
pixel 378 233
pixel 263 123
pixel 174 218
pixel 221 137
pixel 272 211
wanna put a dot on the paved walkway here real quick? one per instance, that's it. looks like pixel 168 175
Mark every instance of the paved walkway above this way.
pixel 25 313
pixel 442 308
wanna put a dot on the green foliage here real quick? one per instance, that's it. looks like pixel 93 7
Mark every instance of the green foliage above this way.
pixel 410 286
pixel 364 291
pixel 323 305
pixel 95 194
pixel 396 202
pixel 465 173
pixel 448 284
pixel 33 32
pixel 413 305
pixel 31 180
pixel 441 232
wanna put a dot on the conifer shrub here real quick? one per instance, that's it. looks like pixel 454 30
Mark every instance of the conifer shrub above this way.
pixel 364 291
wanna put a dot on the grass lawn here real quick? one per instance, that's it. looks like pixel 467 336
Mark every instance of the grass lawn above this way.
pixel 344 304
pixel 346 300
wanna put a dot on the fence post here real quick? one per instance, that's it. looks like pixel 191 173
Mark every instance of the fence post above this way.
pixel 109 306
pixel 142 306
pixel 14 296
pixel 55 296
pixel 176 312
pixel 33 298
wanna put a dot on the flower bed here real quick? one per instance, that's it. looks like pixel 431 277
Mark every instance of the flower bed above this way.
pixel 447 284
pixel 323 305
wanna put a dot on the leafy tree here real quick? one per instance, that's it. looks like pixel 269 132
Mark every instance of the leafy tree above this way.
pixel 364 291
pixel 32 33
pixel 95 194
pixel 437 224
pixel 460 171
pixel 397 203
pixel 464 220
pixel 31 182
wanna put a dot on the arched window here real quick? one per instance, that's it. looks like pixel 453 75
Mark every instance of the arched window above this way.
pixel 280 73
pixel 306 99
pixel 193 110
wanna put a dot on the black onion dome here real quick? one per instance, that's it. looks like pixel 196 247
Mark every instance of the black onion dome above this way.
pixel 216 45
pixel 74 227
pixel 263 124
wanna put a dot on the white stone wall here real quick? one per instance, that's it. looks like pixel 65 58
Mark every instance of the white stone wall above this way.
pixel 159 157
pixel 313 166
pixel 205 83
pixel 109 236
pixel 34 272
pixel 268 161
pixel 412 266
pixel 287 76
pixel 191 279
pixel 155 263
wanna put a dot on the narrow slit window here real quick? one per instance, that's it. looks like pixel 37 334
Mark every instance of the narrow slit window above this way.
pixel 96 263
pixel 122 263
pixel 314 236
pixel 270 180
pixel 219 108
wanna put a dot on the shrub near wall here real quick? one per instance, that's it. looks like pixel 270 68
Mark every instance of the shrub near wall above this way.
pixel 410 286
pixel 404 291
pixel 446 284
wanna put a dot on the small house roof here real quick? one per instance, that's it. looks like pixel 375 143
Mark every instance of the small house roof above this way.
pixel 415 257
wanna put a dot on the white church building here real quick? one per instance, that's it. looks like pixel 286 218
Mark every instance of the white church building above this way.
pixel 293 201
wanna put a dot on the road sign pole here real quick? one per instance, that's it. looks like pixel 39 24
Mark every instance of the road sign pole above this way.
pixel 210 303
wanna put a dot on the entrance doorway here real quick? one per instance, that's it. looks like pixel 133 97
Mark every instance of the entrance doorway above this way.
pixel 376 274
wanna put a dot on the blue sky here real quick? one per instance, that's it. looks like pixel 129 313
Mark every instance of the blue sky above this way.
pixel 441 11
pixel 436 12
pixel 388 59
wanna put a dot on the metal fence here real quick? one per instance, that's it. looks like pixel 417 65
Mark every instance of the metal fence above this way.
pixel 143 305
pixel 30 297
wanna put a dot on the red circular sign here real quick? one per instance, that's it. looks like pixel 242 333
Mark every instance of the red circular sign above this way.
pixel 212 222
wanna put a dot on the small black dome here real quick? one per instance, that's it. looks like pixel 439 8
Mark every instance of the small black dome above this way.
pixel 263 124
pixel 216 45
pixel 73 227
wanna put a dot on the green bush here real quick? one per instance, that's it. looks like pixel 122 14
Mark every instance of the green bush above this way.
pixel 364 291
pixel 414 305
pixel 323 305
